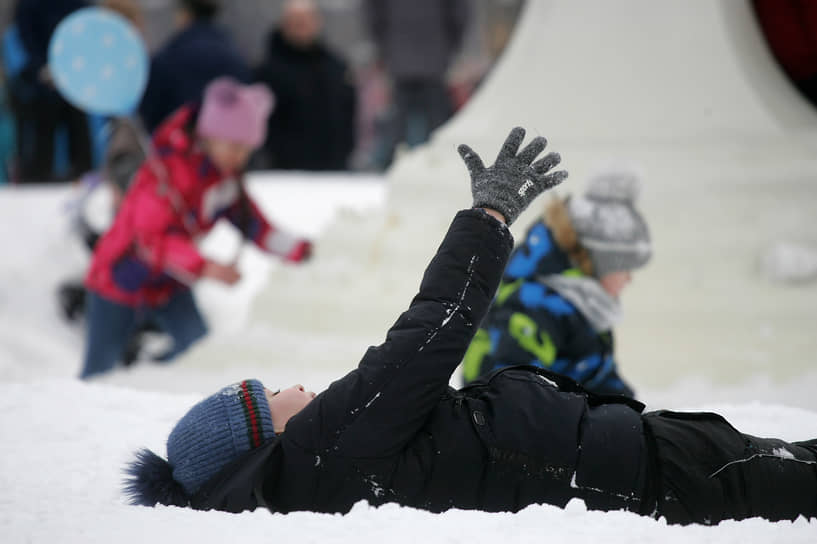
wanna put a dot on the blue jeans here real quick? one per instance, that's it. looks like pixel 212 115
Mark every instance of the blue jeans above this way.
pixel 110 326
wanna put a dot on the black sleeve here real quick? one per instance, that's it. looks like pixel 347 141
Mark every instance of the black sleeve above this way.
pixel 378 407
pixel 157 98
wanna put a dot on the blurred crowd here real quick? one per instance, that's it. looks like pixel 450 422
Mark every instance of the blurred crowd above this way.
pixel 352 80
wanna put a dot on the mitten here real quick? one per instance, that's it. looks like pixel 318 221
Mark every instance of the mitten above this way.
pixel 514 180
pixel 302 252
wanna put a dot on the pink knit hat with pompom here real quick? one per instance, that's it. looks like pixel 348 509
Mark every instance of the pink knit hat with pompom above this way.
pixel 235 112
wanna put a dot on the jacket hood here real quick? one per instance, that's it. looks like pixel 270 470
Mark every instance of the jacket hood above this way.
pixel 541 253
pixel 175 134
pixel 238 486
pixel 557 218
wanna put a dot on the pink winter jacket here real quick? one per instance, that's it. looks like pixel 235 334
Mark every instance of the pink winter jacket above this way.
pixel 150 252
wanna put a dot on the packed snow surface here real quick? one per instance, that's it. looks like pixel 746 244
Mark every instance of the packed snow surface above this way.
pixel 64 442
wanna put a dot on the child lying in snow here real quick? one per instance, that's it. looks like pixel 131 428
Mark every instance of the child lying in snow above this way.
pixel 559 301
pixel 392 430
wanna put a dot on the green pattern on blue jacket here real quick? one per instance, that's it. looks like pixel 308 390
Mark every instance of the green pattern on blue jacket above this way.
pixel 530 323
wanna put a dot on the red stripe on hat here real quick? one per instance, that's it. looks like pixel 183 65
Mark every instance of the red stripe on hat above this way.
pixel 251 410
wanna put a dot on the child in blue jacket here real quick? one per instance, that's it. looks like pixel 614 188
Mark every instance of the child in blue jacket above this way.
pixel 559 298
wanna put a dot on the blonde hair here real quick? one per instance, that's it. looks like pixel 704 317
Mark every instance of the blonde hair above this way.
pixel 557 218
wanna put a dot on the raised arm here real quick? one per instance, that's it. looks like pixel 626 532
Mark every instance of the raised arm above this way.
pixel 255 226
pixel 378 407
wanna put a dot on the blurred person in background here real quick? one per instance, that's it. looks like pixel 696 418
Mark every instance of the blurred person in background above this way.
pixel 559 299
pixel 313 125
pixel 199 52
pixel 124 141
pixel 416 42
pixel 125 152
pixel 146 263
pixel 42 114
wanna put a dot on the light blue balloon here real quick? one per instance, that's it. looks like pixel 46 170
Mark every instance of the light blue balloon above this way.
pixel 98 62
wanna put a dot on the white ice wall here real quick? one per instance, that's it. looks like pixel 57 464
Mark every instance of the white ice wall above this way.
pixel 688 90
pixel 638 71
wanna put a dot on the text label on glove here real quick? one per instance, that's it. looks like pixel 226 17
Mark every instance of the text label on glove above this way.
pixel 525 186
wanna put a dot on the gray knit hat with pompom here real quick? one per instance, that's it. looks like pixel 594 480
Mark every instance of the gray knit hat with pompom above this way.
pixel 607 223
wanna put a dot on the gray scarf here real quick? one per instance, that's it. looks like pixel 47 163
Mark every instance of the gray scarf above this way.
pixel 586 294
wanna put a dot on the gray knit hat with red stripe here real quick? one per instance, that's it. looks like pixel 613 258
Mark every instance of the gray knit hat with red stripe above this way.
pixel 217 430
pixel 607 222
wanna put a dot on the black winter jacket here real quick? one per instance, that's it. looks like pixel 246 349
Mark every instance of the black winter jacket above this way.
pixel 180 72
pixel 312 126
pixel 392 430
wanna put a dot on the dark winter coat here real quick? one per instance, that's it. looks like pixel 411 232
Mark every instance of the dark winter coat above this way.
pixel 183 68
pixel 392 430
pixel 417 39
pixel 703 470
pixel 530 323
pixel 312 125
pixel 36 21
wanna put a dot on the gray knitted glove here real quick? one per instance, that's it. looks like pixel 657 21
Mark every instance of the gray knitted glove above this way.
pixel 514 180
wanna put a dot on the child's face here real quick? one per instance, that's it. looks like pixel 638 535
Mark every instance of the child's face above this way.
pixel 286 403
pixel 228 156
pixel 615 282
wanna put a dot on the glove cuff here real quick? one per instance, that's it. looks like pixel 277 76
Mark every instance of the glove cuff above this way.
pixel 506 209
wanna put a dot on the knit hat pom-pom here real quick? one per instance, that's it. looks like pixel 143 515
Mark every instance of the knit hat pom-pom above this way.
pixel 151 482
pixel 615 182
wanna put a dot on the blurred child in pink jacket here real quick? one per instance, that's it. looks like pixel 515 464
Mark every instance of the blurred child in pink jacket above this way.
pixel 145 265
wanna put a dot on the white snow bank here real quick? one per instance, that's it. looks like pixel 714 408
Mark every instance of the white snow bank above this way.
pixel 41 251
pixel 789 262
pixel 65 443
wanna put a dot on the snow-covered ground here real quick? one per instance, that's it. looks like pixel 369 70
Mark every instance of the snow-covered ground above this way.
pixel 63 443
